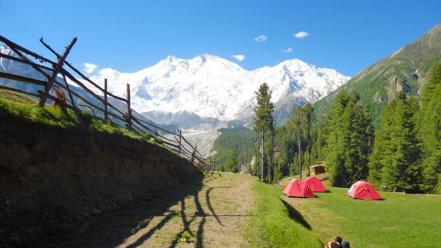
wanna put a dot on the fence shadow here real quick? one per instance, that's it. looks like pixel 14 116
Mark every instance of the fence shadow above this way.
pixel 113 228
pixel 210 206
pixel 296 215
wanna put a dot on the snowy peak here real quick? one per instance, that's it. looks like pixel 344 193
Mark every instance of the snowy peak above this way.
pixel 297 78
pixel 211 86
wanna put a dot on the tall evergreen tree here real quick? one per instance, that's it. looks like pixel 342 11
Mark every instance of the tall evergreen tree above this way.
pixel 263 120
pixel 232 163
pixel 297 125
pixel 430 131
pixel 300 122
pixel 395 158
pixel 269 154
pixel 348 141
pixel 309 118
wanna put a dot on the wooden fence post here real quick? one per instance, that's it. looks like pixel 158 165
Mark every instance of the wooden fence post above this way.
pixel 193 154
pixel 106 117
pixel 57 68
pixel 129 110
pixel 72 101
pixel 180 142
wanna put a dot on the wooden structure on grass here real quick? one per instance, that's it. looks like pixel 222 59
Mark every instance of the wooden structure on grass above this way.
pixel 317 169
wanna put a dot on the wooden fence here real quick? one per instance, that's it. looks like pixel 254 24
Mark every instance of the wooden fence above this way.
pixel 54 78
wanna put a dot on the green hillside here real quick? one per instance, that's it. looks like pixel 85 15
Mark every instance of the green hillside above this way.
pixel 22 106
pixel 404 70
pixel 237 139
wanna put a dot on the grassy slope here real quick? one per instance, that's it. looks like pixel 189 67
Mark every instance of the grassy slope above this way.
pixel 25 107
pixel 277 225
pixel 399 221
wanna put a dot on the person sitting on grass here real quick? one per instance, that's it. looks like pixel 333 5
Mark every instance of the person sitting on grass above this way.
pixel 335 244
pixel 345 244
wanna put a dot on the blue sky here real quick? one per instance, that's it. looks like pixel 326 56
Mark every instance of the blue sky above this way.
pixel 131 35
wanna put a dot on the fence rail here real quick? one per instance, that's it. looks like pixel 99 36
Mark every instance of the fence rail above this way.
pixel 59 76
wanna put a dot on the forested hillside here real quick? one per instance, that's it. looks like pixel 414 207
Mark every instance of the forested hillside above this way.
pixel 234 147
pixel 405 70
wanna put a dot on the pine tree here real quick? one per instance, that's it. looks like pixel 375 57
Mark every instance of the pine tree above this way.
pixel 309 119
pixel 348 141
pixel 269 154
pixel 297 125
pixel 300 122
pixel 263 120
pixel 430 130
pixel 395 159
pixel 232 162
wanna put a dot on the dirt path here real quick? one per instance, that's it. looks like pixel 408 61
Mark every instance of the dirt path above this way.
pixel 215 215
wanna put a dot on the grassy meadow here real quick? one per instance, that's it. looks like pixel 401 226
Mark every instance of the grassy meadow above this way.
pixel 272 224
pixel 401 220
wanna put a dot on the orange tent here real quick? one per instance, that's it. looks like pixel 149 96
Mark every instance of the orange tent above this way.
pixel 297 188
pixel 315 184
pixel 363 190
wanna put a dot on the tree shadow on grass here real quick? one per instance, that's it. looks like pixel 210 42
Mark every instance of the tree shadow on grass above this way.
pixel 296 215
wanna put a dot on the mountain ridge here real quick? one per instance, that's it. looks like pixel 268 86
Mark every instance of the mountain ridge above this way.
pixel 214 87
pixel 404 70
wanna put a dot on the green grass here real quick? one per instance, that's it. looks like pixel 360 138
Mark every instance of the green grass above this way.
pixel 277 225
pixel 399 221
pixel 25 107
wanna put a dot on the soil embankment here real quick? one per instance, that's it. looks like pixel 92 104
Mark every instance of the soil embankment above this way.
pixel 52 180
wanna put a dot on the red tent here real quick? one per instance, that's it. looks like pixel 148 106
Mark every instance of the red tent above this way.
pixel 315 184
pixel 363 190
pixel 296 188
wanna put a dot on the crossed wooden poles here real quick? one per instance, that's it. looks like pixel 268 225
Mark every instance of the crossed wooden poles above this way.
pixel 57 75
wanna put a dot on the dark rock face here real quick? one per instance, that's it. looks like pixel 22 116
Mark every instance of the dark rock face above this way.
pixel 53 179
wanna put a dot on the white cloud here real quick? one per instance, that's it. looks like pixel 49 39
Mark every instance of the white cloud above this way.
pixel 288 50
pixel 301 35
pixel 239 57
pixel 261 38
pixel 89 68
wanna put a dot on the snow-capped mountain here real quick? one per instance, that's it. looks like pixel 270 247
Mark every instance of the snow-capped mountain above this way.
pixel 207 88
pixel 213 87
pixel 202 94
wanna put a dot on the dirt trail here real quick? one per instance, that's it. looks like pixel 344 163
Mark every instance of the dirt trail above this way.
pixel 215 215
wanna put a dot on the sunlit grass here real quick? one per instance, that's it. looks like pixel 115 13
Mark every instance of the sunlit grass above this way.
pixel 401 220
pixel 274 225
pixel 25 107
